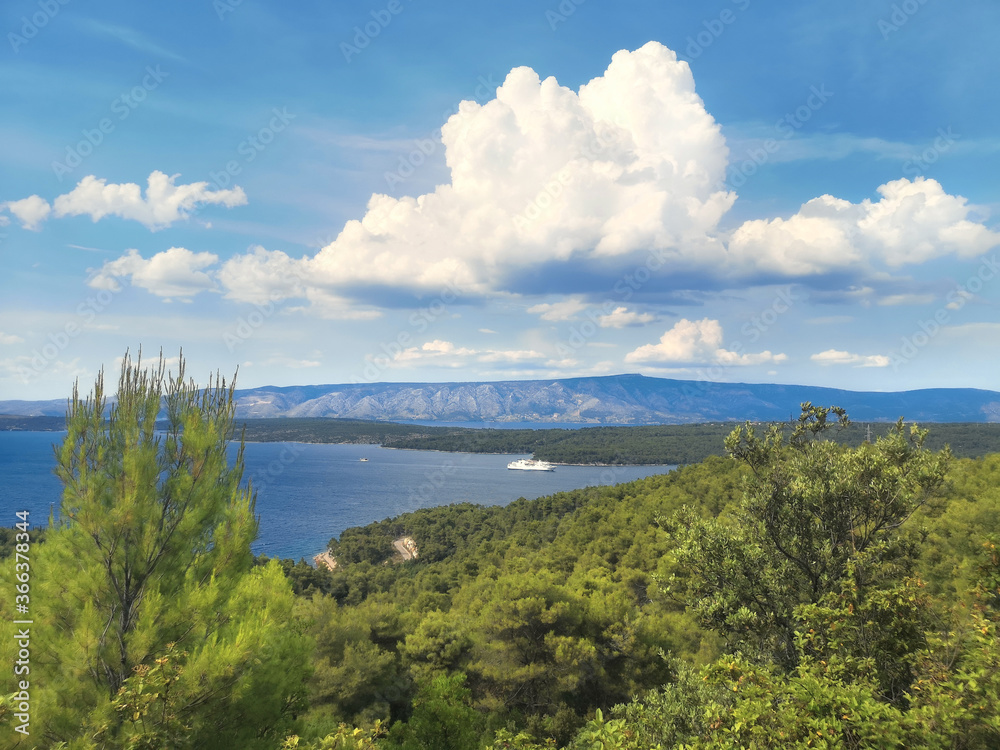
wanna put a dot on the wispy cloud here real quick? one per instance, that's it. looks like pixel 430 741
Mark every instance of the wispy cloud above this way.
pixel 129 37
pixel 836 357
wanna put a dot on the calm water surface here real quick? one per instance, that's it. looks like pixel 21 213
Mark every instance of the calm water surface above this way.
pixel 309 493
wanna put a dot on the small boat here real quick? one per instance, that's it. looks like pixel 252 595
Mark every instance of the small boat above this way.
pixel 530 464
pixel 362 459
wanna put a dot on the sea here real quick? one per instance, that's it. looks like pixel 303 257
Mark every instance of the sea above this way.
pixel 308 493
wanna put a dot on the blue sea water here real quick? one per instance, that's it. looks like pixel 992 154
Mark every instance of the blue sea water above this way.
pixel 309 493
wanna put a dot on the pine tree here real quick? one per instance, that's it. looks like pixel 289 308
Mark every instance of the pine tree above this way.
pixel 152 627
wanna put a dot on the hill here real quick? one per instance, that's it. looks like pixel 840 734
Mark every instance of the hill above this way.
pixel 614 399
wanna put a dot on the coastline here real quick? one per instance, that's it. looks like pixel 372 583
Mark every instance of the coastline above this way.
pixel 326 560
pixel 441 450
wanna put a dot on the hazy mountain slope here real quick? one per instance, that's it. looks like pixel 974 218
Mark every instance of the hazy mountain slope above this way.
pixel 613 399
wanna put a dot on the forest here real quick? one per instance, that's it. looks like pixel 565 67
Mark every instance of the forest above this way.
pixel 796 591
pixel 631 444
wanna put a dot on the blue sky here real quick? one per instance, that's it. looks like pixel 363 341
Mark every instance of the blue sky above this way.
pixel 403 190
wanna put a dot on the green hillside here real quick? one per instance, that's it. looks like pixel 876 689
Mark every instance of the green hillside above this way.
pixel 798 592
pixel 628 614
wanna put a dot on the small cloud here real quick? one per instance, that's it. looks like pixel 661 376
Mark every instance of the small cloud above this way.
pixel 697 342
pixel 486 330
pixel 837 357
pixel 622 317
pixel 30 211
pixel 10 338
pixel 559 311
pixel 958 304
pixel 295 364
pixel 176 272
pixel 906 299
pixel 446 353
pixel 163 204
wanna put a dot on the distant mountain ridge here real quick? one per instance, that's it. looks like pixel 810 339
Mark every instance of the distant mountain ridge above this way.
pixel 613 399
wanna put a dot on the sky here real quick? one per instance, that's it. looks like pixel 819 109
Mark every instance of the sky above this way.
pixel 410 191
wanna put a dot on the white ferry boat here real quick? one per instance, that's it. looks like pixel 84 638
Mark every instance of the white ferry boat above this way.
pixel 530 464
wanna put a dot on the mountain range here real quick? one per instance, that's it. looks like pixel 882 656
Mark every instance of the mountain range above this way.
pixel 613 399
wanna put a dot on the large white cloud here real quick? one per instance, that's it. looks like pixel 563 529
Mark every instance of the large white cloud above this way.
pixel 545 174
pixel 544 178
pixel 697 342
pixel 558 191
pixel 176 272
pixel 164 203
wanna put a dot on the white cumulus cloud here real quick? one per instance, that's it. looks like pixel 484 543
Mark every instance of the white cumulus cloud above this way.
pixel 913 222
pixel 552 190
pixel 697 342
pixel 544 174
pixel 622 317
pixel 30 211
pixel 164 202
pixel 176 272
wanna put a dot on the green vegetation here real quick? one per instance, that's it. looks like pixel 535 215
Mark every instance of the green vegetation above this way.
pixel 642 444
pixel 11 422
pixel 801 592
pixel 651 445
pixel 151 625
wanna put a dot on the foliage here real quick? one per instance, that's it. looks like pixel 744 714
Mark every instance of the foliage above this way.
pixel 443 718
pixel 147 582
pixel 813 513
pixel 638 444
pixel 345 738
pixel 810 593
pixel 8 539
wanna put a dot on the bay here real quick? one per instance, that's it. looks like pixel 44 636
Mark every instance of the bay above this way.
pixel 309 493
